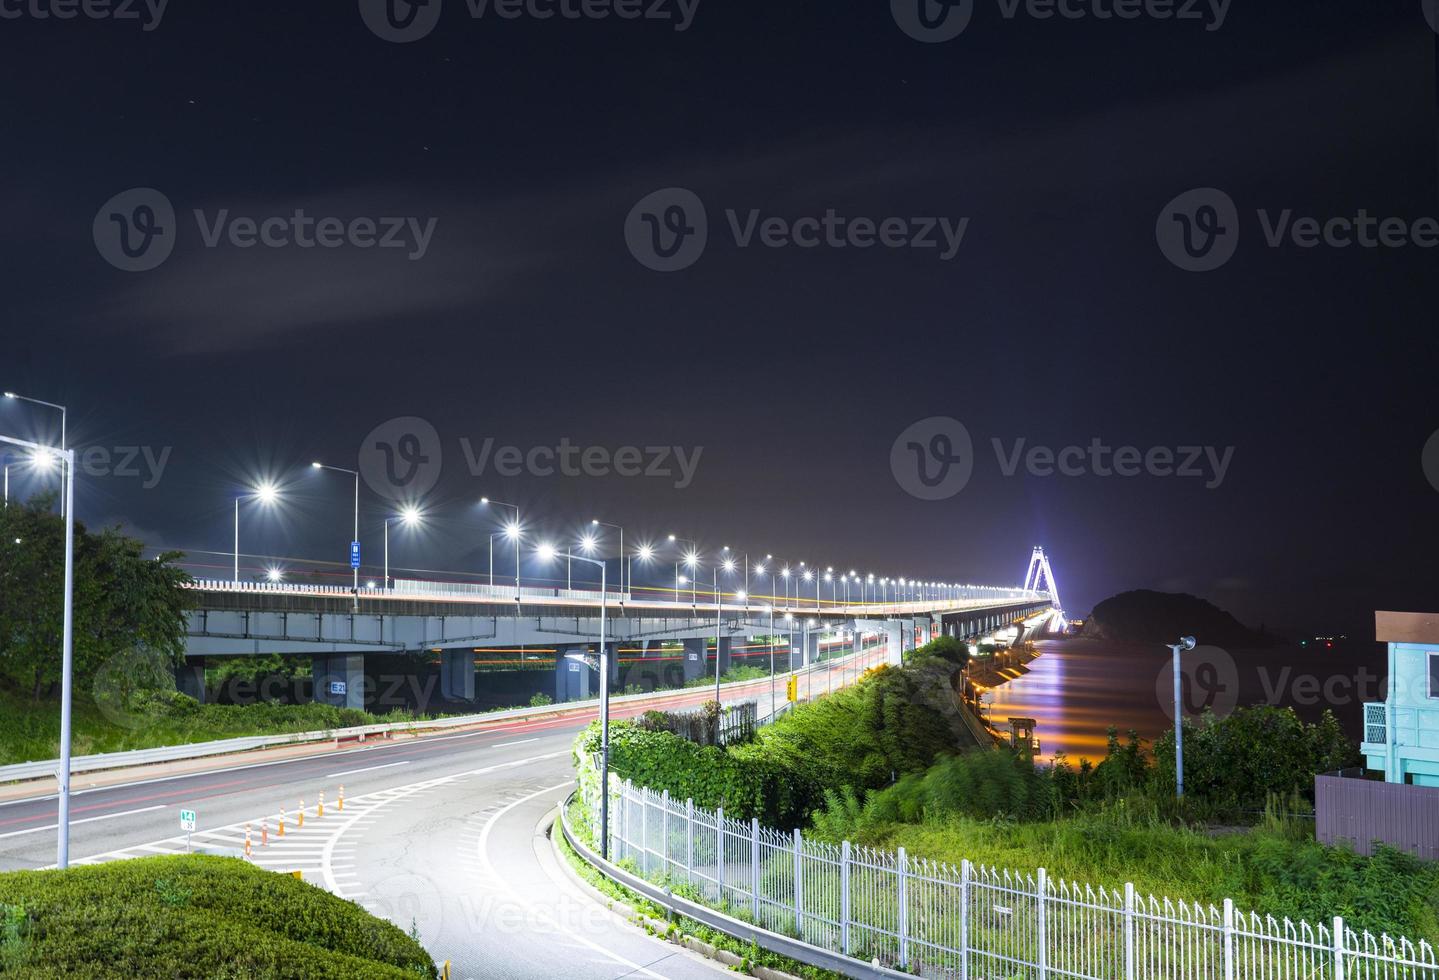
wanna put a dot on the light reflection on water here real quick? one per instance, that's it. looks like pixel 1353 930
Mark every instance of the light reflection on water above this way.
pixel 1078 688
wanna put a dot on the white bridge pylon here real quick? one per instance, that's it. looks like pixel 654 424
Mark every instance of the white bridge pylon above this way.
pixel 1039 571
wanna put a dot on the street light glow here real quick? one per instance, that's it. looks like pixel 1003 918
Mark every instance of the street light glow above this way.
pixel 546 552
pixel 512 531
pixel 410 516
pixel 588 543
pixel 646 552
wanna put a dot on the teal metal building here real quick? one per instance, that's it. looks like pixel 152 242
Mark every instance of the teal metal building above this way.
pixel 1401 733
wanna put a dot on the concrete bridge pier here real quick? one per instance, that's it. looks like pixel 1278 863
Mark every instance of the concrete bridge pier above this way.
pixel 694 659
pixel 457 675
pixel 572 674
pixel 190 678
pixel 894 632
pixel 339 679
pixel 723 657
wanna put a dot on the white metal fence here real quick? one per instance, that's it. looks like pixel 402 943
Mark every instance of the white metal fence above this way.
pixel 974 922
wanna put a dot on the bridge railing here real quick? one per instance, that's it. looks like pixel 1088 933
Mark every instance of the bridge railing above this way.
pixel 971 598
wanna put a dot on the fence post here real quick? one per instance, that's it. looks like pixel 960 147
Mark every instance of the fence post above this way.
pixel 798 885
pixel 754 866
pixel 1129 930
pixel 903 915
pixel 645 832
pixel 689 839
pixel 964 876
pixel 719 854
pixel 1229 939
pixel 1339 947
pixel 1041 925
pixel 844 898
pixel 665 834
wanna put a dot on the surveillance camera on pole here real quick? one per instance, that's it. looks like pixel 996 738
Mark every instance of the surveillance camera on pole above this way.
pixel 1184 644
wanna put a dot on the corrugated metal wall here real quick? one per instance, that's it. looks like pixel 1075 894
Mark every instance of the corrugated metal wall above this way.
pixel 1362 811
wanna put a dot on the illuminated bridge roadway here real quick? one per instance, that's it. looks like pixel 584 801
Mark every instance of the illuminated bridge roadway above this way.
pixel 338 626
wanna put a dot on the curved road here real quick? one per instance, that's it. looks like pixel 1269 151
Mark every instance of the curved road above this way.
pixel 438 834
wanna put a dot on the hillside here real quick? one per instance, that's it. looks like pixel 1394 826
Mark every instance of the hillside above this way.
pixel 1143 616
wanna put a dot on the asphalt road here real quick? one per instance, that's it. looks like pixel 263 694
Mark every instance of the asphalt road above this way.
pixel 437 834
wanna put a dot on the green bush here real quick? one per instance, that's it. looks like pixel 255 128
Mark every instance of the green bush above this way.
pixel 192 917
pixel 1232 765
pixel 894 721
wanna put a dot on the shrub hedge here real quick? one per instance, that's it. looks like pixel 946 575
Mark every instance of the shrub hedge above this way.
pixel 193 917
pixel 894 721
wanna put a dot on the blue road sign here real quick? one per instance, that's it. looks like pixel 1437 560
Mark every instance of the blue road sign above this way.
pixel 354 554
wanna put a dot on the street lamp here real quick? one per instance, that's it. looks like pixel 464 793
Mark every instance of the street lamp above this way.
pixel 625 579
pixel 1185 643
pixel 355 541
pixel 12 396
pixel 266 494
pixel 691 560
pixel 514 532
pixel 409 516
pixel 547 552
pixel 67 649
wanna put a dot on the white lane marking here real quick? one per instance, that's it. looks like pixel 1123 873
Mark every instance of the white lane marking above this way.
pixel 539 910
pixel 351 772
pixel 523 741
pixel 108 816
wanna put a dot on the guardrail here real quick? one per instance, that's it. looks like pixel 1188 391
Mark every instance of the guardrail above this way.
pixel 23 771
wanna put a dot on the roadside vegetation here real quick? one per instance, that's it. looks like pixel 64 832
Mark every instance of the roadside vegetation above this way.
pixel 192 917
pixel 881 764
pixel 129 634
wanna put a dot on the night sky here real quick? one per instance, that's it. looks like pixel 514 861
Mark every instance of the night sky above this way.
pixel 1058 320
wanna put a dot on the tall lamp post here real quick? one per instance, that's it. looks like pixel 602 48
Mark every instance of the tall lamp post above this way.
pixel 1185 643
pixel 355 541
pixel 67 649
pixel 514 531
pixel 409 517
pixel 604 706
pixel 624 579
pixel 12 396
pixel 691 560
pixel 266 494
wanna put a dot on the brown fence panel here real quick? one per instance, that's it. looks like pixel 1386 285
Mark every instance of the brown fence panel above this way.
pixel 1362 811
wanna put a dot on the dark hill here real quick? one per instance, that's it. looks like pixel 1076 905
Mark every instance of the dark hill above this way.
pixel 1143 616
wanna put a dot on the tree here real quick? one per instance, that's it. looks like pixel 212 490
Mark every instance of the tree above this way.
pixel 122 601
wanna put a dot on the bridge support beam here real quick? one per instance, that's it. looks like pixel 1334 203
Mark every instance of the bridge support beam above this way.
pixel 572 674
pixel 895 634
pixel 723 656
pixel 694 659
pixel 339 679
pixel 457 675
pixel 190 678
